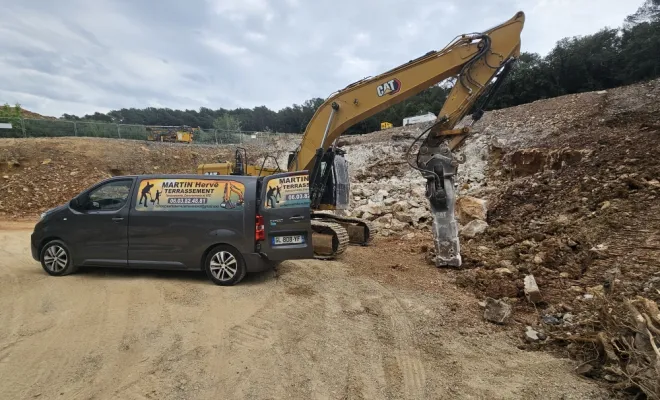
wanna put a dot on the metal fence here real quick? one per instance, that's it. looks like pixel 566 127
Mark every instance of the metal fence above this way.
pixel 27 127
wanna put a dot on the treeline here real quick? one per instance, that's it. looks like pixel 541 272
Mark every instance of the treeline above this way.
pixel 606 59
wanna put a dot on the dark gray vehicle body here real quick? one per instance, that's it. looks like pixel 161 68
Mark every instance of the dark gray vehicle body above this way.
pixel 172 239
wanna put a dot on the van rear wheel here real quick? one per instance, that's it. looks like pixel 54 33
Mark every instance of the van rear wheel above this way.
pixel 225 266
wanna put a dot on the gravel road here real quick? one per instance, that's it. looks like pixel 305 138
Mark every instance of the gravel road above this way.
pixel 320 330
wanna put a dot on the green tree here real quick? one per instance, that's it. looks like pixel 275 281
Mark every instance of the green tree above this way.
pixel 227 123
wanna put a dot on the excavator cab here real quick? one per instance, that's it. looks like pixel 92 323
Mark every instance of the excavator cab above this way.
pixel 330 187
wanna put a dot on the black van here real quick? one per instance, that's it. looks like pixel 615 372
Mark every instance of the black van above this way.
pixel 225 225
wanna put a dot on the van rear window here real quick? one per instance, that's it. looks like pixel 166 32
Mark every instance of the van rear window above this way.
pixel 286 192
pixel 189 195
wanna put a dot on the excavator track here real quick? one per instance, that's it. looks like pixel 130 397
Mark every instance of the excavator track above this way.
pixel 360 231
pixel 339 239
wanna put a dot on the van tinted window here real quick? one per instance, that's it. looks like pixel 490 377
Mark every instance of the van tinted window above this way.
pixel 111 196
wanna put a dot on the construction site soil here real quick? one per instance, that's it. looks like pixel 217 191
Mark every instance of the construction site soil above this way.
pixel 572 191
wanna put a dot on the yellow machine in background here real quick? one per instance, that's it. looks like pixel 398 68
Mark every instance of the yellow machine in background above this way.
pixel 177 134
pixel 479 62
pixel 239 166
pixel 385 125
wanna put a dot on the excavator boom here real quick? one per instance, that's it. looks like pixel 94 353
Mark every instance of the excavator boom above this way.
pixel 483 52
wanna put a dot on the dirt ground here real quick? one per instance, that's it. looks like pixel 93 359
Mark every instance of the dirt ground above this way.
pixel 327 330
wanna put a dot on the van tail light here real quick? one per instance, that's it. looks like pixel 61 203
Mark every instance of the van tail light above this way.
pixel 259 232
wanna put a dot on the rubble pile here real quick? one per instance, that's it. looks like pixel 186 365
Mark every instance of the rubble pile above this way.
pixel 562 223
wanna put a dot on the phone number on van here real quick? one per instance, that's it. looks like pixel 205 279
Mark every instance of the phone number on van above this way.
pixel 297 196
pixel 187 200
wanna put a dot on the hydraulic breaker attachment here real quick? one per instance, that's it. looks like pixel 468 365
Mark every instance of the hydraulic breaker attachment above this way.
pixel 439 168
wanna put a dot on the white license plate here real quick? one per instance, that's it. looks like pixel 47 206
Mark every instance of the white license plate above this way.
pixel 294 239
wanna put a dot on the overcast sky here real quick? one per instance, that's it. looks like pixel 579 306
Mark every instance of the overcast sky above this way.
pixel 81 56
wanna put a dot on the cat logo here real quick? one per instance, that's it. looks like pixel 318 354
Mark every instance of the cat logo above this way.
pixel 390 87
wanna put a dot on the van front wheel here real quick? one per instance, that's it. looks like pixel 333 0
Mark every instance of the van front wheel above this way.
pixel 225 266
pixel 56 259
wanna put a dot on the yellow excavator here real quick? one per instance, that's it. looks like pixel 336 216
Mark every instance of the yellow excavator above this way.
pixel 479 62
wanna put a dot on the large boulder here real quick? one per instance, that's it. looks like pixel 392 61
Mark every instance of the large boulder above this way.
pixel 473 228
pixel 470 208
pixel 371 208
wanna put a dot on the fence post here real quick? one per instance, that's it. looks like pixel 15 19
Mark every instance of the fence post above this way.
pixel 118 133
pixel 75 129
pixel 23 127
pixel 215 132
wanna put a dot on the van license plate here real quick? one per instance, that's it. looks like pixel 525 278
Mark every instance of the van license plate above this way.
pixel 294 239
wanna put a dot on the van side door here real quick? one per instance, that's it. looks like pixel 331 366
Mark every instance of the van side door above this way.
pixel 285 208
pixel 98 225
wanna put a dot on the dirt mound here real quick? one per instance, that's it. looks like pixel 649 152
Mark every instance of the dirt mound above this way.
pixel 38 174
pixel 572 187
pixel 33 115
pixel 574 200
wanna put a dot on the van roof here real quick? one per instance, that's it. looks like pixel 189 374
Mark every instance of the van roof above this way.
pixel 190 176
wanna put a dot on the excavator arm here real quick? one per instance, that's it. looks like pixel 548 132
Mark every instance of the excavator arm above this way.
pixel 474 59
pixel 478 61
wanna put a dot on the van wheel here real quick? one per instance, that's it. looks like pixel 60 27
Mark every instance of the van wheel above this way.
pixel 225 266
pixel 56 259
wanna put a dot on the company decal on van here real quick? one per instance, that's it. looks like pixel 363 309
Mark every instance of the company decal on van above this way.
pixel 292 191
pixel 189 195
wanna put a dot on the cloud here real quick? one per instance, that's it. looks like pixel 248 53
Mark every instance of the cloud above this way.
pixel 79 56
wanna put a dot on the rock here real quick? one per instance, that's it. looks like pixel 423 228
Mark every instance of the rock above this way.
pixel 397 225
pixel 576 289
pixel 380 195
pixel 419 215
pixel 408 236
pixel 588 296
pixel 5 176
pixel 371 208
pixel 568 317
pixel 473 228
pixel 384 220
pixel 497 311
pixel 541 335
pixel 563 275
pixel 470 208
pixel 532 291
pixel 585 369
pixel 551 320
pixel 596 290
pixel 26 189
pixel 605 205
pixel 538 259
pixel 601 92
pixel 401 206
pixel 368 216
pixel 46 161
pixel 389 201
pixel 73 173
pixel 503 271
pixel 531 335
pixel 357 198
pixel 403 216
